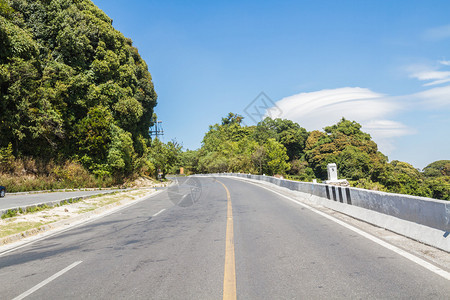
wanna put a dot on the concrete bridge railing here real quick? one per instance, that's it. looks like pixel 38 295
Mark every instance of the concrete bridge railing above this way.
pixel 423 219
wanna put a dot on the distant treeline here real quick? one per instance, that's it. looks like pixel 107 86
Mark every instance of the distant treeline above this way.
pixel 284 147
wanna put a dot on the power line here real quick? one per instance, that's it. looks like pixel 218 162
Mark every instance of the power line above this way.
pixel 156 129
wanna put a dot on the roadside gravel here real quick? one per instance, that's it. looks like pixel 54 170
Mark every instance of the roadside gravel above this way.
pixel 30 224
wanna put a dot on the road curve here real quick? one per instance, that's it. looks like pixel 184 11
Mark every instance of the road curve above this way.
pixel 173 246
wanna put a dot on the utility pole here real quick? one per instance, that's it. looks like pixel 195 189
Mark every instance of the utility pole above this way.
pixel 157 128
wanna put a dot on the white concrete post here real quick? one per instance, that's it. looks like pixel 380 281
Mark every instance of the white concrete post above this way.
pixel 332 172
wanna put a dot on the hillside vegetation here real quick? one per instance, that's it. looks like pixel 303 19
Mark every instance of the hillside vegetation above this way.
pixel 284 147
pixel 73 90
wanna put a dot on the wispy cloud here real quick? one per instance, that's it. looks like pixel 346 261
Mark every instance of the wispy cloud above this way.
pixel 437 33
pixel 384 133
pixel 318 109
pixel 434 74
pixel 374 111
pixel 437 77
pixel 334 103
pixel 388 128
pixel 436 98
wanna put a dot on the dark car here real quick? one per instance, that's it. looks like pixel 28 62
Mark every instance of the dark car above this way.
pixel 2 191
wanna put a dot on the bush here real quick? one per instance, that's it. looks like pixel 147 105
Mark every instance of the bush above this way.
pixel 6 158
pixel 367 184
pixel 28 174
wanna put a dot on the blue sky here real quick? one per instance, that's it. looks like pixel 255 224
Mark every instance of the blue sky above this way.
pixel 384 64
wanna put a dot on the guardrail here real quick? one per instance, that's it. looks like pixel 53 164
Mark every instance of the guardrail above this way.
pixel 48 204
pixel 379 208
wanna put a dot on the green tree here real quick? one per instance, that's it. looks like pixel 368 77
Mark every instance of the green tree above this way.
pixel 276 157
pixel 93 134
pixel 401 177
pixel 344 143
pixel 353 163
pixel 212 162
pixel 259 158
pixel 66 77
pixel 230 130
pixel 189 161
pixel 121 155
pixel 6 158
pixel 439 187
pixel 301 170
pixel 232 118
pixel 5 10
pixel 288 133
pixel 437 168
pixel 164 156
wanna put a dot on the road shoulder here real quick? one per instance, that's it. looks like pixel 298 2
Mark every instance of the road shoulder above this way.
pixel 24 228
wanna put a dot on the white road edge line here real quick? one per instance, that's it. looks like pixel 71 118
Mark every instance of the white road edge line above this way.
pixel 48 280
pixel 159 212
pixel 76 225
pixel 380 242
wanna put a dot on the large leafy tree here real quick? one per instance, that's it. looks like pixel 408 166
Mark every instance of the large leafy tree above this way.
pixel 65 70
pixel 439 187
pixel 226 146
pixel 276 157
pixel 231 147
pixel 229 130
pixel 343 143
pixel 437 168
pixel 288 133
pixel 164 156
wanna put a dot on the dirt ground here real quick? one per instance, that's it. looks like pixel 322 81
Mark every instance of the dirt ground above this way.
pixel 30 223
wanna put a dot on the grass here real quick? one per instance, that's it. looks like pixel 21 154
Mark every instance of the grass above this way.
pixel 24 183
pixel 85 210
pixel 103 200
pixel 106 200
pixel 28 174
pixel 19 227
pixel 11 213
pixel 16 222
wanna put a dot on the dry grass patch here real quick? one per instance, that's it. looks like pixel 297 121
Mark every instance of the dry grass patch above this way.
pixel 18 227
pixel 28 221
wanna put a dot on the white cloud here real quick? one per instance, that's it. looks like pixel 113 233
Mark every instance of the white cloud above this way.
pixel 445 62
pixel 437 33
pixel 387 128
pixel 316 110
pixel 333 105
pixel 436 82
pixel 427 73
pixel 434 98
pixel 384 133
pixel 431 75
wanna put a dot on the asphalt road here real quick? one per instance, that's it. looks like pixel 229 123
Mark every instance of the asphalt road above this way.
pixel 173 246
pixel 20 200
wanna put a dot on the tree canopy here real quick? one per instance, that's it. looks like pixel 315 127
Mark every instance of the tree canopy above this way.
pixel 71 85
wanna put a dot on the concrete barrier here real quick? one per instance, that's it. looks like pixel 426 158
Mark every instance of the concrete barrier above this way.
pixel 47 204
pixel 424 219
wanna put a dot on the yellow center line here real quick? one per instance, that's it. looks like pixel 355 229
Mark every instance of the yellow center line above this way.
pixel 229 278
